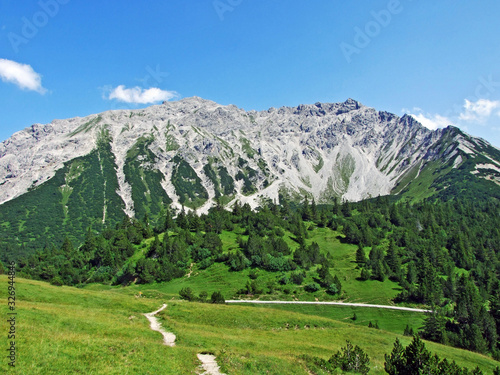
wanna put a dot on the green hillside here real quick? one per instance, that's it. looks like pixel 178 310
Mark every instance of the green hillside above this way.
pixel 147 193
pixel 437 255
pixel 82 194
pixel 70 330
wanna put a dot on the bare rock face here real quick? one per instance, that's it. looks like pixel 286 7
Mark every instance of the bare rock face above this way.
pixel 325 150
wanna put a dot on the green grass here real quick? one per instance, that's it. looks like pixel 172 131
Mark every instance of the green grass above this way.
pixel 86 126
pixel 345 267
pixel 418 188
pixel 64 330
pixel 218 277
pixel 247 148
pixel 215 278
pixel 320 164
pixel 393 321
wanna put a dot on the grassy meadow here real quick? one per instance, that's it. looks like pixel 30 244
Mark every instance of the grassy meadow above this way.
pixel 65 330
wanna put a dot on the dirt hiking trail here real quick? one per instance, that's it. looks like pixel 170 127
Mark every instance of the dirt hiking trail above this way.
pixel 209 364
pixel 168 337
pixel 208 361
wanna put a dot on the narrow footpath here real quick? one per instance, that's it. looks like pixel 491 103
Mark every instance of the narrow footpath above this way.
pixel 168 337
pixel 208 362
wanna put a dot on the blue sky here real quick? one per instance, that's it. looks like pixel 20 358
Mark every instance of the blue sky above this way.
pixel 439 61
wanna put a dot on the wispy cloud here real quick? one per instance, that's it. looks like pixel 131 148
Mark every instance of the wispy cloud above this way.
pixel 479 110
pixel 138 95
pixel 430 121
pixel 21 75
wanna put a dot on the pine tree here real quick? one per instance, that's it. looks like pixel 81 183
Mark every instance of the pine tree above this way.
pixel 337 283
pixel 351 232
pixel 411 273
pixel 324 275
pixel 418 358
pixel 306 210
pixel 360 256
pixel 468 312
pixel 365 274
pixel 155 248
pixel 395 363
pixel 393 260
pixel 236 208
pixel 351 359
pixel 181 219
pixel 395 216
pixel 194 220
pixel 67 247
pixel 346 209
pixel 336 207
pixel 378 272
pixel 408 331
pixel 314 210
pixel 217 297
pixel 435 327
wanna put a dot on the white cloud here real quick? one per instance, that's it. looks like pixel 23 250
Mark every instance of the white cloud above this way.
pixel 430 121
pixel 21 75
pixel 479 110
pixel 141 96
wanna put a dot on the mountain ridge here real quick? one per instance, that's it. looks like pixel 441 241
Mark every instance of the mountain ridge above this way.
pixel 340 132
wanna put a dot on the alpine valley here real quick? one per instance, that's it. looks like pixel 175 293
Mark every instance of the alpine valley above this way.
pixel 274 236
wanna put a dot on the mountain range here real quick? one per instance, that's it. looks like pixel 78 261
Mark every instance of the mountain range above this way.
pixel 64 177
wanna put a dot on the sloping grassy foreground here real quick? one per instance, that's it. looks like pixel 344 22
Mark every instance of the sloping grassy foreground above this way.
pixel 63 330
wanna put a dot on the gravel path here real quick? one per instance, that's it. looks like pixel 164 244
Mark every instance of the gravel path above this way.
pixel 168 337
pixel 329 303
pixel 209 364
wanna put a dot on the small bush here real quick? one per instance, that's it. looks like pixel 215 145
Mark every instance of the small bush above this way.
pixel 408 331
pixel 332 289
pixel 217 297
pixel 187 294
pixel 57 281
pixel 203 296
pixel 351 358
pixel 312 287
pixel 297 278
pixel 283 280
pixel 253 274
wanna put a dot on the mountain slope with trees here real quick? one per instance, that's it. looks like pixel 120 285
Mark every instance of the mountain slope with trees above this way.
pixel 59 179
pixel 443 255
